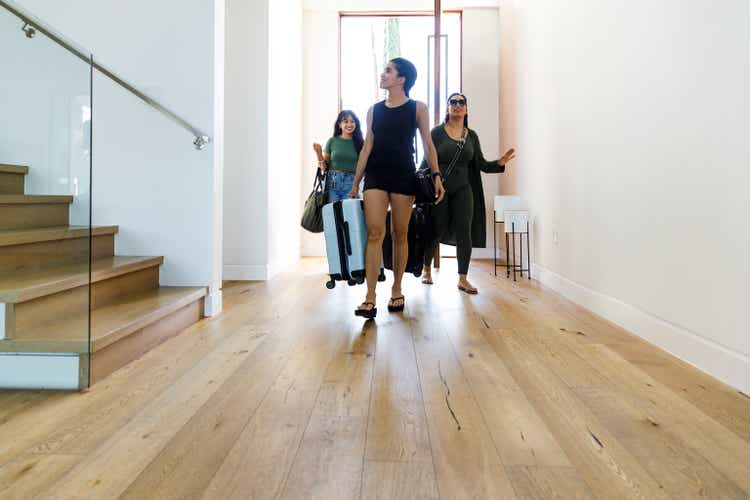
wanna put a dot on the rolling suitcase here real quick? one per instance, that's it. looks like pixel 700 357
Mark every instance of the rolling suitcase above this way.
pixel 346 240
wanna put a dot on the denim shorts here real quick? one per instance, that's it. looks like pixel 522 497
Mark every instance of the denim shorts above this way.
pixel 338 185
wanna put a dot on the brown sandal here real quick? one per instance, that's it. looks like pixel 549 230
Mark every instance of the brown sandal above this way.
pixel 469 290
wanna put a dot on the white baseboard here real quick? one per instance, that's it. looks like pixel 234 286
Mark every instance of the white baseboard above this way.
pixel 730 367
pixel 212 303
pixel 281 265
pixel 259 273
pixel 39 371
pixel 245 273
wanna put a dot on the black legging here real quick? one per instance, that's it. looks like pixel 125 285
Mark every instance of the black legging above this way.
pixel 455 212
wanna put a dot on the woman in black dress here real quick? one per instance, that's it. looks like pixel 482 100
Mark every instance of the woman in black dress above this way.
pixel 387 163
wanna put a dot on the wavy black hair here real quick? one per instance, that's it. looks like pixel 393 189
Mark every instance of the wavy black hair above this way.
pixel 406 69
pixel 466 116
pixel 356 135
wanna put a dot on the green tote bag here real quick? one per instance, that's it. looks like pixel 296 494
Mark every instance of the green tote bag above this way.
pixel 312 215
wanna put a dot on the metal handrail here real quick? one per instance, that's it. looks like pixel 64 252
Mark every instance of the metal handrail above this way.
pixel 32 25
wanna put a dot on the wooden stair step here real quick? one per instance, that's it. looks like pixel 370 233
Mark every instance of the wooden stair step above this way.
pixel 25 286
pixel 26 250
pixel 12 178
pixel 46 346
pixel 42 234
pixel 34 199
pixel 20 211
pixel 112 323
pixel 108 324
pixel 6 168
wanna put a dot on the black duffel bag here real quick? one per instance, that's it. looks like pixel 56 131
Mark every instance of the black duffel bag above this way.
pixel 420 230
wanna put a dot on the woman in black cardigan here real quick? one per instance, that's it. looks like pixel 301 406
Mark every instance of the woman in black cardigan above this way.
pixel 460 219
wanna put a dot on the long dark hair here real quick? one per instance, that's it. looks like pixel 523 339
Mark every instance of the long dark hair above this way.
pixel 466 116
pixel 406 69
pixel 356 135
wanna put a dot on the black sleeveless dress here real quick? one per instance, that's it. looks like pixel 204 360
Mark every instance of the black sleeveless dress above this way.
pixel 390 166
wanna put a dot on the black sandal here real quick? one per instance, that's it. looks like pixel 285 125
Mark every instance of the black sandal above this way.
pixel 367 313
pixel 399 308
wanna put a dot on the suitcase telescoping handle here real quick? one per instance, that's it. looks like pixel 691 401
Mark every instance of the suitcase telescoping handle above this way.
pixel 342 236
pixel 347 239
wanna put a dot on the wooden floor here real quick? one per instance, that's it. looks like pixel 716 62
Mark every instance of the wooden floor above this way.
pixel 513 393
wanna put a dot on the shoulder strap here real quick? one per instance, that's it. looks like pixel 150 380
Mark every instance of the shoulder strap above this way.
pixel 459 148
pixel 319 184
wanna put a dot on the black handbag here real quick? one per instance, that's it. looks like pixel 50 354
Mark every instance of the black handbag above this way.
pixel 312 215
pixel 425 180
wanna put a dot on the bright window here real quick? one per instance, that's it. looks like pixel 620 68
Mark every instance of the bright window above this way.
pixel 368 42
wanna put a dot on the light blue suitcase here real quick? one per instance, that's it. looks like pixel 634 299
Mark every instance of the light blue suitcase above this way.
pixel 346 240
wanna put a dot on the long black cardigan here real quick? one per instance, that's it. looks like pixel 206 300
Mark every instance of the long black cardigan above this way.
pixel 476 165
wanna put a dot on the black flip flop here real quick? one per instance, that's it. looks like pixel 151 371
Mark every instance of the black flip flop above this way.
pixel 396 308
pixel 367 313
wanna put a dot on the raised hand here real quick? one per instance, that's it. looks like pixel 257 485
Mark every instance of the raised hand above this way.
pixel 318 151
pixel 509 155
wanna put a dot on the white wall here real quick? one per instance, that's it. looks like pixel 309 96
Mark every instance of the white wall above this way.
pixel 213 301
pixel 320 101
pixel 147 177
pixel 632 122
pixel 480 83
pixel 263 129
pixel 482 88
pixel 285 133
pixel 246 230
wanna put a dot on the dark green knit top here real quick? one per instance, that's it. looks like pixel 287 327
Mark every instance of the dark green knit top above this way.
pixel 471 158
pixel 468 171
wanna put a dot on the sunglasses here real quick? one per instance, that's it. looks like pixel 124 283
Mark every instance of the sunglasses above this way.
pixel 457 102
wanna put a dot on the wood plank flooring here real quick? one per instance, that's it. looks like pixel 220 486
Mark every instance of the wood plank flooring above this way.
pixel 514 393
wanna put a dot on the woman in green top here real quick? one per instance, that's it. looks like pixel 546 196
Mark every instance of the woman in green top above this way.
pixel 460 219
pixel 339 157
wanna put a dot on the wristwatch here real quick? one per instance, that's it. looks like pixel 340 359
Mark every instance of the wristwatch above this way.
pixel 437 174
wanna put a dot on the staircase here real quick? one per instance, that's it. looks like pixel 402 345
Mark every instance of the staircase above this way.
pixel 44 288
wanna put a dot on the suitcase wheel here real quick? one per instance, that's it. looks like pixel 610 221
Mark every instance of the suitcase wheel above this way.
pixel 360 280
pixel 381 276
pixel 330 284
pixel 352 282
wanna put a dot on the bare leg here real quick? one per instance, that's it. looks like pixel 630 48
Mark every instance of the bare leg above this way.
pixel 464 285
pixel 400 214
pixel 376 207
pixel 427 275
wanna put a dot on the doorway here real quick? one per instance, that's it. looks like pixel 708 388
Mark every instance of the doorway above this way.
pixel 367 41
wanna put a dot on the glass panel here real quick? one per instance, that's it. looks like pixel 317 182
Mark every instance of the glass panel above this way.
pixel 45 197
